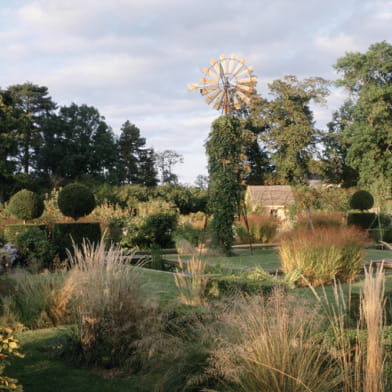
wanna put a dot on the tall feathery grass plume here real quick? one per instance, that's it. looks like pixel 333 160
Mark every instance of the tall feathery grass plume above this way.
pixel 111 306
pixel 191 280
pixel 273 344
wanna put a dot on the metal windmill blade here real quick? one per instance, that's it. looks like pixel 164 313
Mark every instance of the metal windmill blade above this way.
pixel 227 83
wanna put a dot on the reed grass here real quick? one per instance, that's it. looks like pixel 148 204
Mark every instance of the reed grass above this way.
pixel 191 280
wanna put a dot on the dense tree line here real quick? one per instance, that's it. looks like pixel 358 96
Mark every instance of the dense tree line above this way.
pixel 42 145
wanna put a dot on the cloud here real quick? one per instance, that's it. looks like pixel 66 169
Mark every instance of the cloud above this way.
pixel 133 59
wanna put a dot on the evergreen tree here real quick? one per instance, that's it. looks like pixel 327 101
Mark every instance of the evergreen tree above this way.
pixel 32 105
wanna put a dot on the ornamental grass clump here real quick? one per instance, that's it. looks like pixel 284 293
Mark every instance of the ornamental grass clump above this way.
pixel 274 344
pixel 323 254
pixel 112 310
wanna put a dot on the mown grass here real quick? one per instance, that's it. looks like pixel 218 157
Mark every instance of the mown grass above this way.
pixel 42 371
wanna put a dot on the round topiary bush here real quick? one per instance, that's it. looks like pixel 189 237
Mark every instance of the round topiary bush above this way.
pixel 76 201
pixel 361 200
pixel 26 205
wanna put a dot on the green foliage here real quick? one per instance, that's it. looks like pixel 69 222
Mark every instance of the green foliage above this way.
pixel 323 254
pixel 66 234
pixel 367 134
pixel 78 144
pixel 226 170
pixel 33 106
pixel 188 232
pixel 26 205
pixel 361 200
pixel 76 200
pixel 234 285
pixel 365 220
pixel 9 346
pixel 35 248
pixel 289 127
pixel 12 231
pixel 155 229
pixel 137 162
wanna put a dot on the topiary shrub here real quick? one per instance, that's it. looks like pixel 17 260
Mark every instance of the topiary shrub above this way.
pixel 26 205
pixel 361 200
pixel 365 220
pixel 76 201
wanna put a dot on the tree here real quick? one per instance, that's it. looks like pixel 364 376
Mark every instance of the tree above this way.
pixel 8 136
pixel 32 106
pixel 289 130
pixel 78 143
pixel 147 174
pixel 137 162
pixel 335 168
pixel 368 78
pixel 165 162
pixel 226 171
pixel 201 182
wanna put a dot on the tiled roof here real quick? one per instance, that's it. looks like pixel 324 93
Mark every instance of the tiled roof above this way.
pixel 270 195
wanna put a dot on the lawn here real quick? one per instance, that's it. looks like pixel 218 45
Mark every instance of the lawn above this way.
pixel 43 370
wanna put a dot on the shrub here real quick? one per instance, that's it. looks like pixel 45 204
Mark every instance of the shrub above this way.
pixel 361 200
pixel 155 229
pixel 65 234
pixel 189 233
pixel 321 255
pixel 365 220
pixel 221 286
pixel 8 348
pixel 12 231
pixel 35 248
pixel 26 205
pixel 76 200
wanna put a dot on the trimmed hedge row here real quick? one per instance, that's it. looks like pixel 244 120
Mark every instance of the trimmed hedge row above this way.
pixel 66 233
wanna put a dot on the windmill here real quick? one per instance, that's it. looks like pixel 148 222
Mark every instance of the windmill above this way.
pixel 227 83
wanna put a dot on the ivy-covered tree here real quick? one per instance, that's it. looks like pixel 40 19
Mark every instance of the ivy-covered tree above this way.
pixel 368 78
pixel 226 171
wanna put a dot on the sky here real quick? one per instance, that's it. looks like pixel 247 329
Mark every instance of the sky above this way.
pixel 133 59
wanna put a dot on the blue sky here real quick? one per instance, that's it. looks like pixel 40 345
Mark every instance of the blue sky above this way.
pixel 132 59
